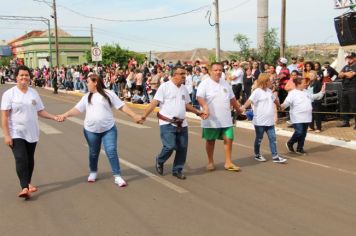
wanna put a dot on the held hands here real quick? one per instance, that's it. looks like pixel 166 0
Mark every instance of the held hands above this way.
pixel 139 119
pixel 60 118
pixel 202 114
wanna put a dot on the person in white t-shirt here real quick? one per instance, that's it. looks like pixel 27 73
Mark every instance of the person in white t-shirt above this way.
pixel 263 101
pixel 215 96
pixel 236 78
pixel 99 125
pixel 173 99
pixel 300 102
pixel 20 108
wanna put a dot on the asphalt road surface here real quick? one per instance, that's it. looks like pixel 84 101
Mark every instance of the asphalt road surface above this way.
pixel 311 195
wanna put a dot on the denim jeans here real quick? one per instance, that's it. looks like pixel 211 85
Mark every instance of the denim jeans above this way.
pixel 271 137
pixel 300 132
pixel 173 140
pixel 109 139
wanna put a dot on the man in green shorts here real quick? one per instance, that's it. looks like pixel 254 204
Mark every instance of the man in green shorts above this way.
pixel 216 97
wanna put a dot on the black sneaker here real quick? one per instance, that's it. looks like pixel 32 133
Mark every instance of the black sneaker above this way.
pixel 301 152
pixel 289 147
pixel 159 168
pixel 260 158
pixel 179 175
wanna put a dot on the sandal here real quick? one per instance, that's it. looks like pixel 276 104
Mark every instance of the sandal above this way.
pixel 24 193
pixel 232 168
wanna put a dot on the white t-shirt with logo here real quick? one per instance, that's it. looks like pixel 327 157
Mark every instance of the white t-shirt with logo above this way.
pixel 263 107
pixel 217 95
pixel 300 103
pixel 172 101
pixel 23 118
pixel 99 117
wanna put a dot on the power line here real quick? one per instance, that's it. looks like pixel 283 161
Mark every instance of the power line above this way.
pixel 128 20
pixel 237 6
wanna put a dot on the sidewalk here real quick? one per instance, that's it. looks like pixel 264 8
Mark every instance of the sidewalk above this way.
pixel 331 135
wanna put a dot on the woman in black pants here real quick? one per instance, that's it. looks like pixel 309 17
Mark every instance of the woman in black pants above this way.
pixel 20 108
pixel 315 85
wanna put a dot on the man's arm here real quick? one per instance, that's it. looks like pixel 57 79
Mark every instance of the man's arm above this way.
pixel 204 105
pixel 153 104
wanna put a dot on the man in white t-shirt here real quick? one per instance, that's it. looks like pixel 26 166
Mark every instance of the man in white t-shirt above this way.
pixel 215 96
pixel 173 99
pixel 236 78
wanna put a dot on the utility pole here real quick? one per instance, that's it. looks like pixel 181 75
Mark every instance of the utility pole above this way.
pixel 56 32
pixel 217 29
pixel 92 35
pixel 262 22
pixel 283 29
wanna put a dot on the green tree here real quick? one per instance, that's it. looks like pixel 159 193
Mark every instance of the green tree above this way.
pixel 114 53
pixel 212 58
pixel 270 52
pixel 5 61
pixel 244 45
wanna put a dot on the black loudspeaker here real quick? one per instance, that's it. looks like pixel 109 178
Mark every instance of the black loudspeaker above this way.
pixel 345 26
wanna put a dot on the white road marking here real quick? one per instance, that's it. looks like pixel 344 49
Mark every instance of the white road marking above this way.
pixel 48 129
pixel 152 176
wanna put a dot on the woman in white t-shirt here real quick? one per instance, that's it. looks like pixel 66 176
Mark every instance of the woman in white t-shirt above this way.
pixel 20 108
pixel 99 125
pixel 263 101
pixel 300 102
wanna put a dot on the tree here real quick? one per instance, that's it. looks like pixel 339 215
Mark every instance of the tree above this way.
pixel 244 44
pixel 5 61
pixel 114 53
pixel 270 52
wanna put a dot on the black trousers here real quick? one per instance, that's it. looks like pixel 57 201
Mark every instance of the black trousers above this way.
pixel 237 88
pixel 317 118
pixel 348 103
pixel 24 153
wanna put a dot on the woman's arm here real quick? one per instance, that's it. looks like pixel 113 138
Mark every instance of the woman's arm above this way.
pixel 5 127
pixel 132 114
pixel 46 115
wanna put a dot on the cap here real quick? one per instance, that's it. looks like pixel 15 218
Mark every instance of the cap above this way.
pixel 283 60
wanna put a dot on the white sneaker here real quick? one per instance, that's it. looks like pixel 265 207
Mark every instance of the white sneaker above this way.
pixel 278 159
pixel 120 181
pixel 92 177
pixel 260 158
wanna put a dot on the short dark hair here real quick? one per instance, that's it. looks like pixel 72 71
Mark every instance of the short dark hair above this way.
pixel 216 63
pixel 174 69
pixel 22 67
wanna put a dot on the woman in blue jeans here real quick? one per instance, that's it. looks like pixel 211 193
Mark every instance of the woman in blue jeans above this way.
pixel 99 125
pixel 300 102
pixel 263 101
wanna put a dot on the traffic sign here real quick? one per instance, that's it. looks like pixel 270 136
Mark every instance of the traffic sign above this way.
pixel 96 54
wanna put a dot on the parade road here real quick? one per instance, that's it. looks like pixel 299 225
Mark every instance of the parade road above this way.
pixel 311 195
